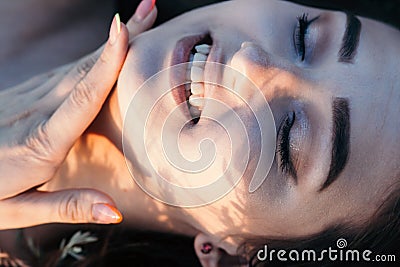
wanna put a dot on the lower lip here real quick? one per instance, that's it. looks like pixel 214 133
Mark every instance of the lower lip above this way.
pixel 181 55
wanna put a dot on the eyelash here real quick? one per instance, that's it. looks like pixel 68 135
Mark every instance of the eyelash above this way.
pixel 300 33
pixel 286 164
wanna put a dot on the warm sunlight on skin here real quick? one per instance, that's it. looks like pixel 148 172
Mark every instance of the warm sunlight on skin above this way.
pixel 322 91
pixel 82 157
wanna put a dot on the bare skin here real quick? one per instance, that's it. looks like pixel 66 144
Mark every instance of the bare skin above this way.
pixel 33 137
pixel 309 88
pixel 288 208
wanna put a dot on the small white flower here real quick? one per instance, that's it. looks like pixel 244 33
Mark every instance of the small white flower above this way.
pixel 74 246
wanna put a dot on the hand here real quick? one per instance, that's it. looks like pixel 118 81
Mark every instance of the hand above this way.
pixel 39 122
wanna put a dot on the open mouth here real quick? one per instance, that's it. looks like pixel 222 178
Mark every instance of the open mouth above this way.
pixel 190 56
pixel 194 88
pixel 195 76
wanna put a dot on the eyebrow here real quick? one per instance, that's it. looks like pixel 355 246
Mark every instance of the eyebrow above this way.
pixel 351 39
pixel 340 139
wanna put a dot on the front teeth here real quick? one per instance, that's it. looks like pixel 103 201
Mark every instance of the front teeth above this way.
pixel 197 88
pixel 197 101
pixel 195 75
pixel 199 57
pixel 203 49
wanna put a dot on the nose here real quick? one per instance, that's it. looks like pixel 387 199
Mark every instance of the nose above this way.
pixel 252 61
pixel 255 65
pixel 272 74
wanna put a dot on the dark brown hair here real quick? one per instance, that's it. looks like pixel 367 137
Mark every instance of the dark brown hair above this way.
pixel 384 10
pixel 381 235
pixel 122 247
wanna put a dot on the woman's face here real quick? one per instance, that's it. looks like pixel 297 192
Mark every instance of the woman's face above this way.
pixel 332 86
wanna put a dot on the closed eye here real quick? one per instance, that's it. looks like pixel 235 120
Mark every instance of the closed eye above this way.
pixel 286 163
pixel 300 33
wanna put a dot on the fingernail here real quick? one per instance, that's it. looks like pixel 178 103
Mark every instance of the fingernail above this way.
pixel 144 8
pixel 115 28
pixel 105 213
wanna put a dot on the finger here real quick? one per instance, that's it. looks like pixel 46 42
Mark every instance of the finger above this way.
pixel 67 206
pixel 84 102
pixel 142 20
pixel 144 17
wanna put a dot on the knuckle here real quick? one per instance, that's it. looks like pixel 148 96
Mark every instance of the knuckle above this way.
pixel 86 65
pixel 104 58
pixel 40 146
pixel 71 209
pixel 83 94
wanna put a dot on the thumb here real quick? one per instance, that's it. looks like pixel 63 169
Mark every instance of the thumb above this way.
pixel 66 206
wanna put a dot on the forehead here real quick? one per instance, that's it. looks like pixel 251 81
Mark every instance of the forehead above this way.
pixel 371 84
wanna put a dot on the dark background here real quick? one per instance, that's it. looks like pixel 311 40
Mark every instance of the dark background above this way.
pixel 384 10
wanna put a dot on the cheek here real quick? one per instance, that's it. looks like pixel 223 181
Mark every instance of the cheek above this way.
pixel 137 68
pixel 127 83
